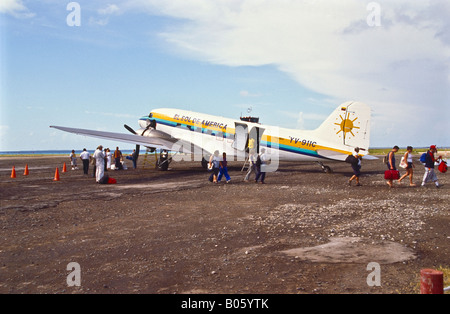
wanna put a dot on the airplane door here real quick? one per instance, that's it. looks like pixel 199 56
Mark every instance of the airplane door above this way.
pixel 255 136
pixel 240 136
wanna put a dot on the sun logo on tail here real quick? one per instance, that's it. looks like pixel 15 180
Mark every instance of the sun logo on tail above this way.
pixel 346 126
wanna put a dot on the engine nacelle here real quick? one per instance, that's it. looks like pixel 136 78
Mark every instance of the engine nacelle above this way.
pixel 147 122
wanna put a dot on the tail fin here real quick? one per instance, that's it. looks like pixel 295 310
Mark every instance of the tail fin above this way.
pixel 348 125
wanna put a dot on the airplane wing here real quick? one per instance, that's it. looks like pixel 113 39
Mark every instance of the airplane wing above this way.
pixel 339 156
pixel 154 141
pixel 332 154
pixel 370 157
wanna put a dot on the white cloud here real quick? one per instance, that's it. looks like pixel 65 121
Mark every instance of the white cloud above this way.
pixel 15 8
pixel 327 46
pixel 246 93
pixel 98 21
pixel 109 10
pixel 304 121
pixel 105 13
pixel 301 121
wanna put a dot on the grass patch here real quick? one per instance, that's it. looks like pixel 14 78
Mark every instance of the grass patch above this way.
pixel 402 151
pixel 385 151
pixel 444 270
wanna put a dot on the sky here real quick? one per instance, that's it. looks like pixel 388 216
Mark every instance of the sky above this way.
pixel 100 64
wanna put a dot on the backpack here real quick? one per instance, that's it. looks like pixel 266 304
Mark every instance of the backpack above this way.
pixel 104 179
pixel 423 158
pixel 443 167
pixel 386 159
pixel 107 180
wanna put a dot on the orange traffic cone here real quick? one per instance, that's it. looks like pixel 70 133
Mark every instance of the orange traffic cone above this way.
pixel 13 173
pixel 64 168
pixel 56 175
pixel 25 173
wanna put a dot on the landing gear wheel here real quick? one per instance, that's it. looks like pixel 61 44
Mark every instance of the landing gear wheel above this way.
pixel 204 163
pixel 325 169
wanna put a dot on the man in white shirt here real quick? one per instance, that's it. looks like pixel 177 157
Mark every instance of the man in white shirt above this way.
pixel 99 163
pixel 84 156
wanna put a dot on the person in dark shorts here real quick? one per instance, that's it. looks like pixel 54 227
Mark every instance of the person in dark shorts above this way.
pixel 391 163
pixel 356 166
pixel 408 160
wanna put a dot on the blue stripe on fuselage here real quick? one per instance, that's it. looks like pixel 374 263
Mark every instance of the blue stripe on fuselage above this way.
pixel 205 130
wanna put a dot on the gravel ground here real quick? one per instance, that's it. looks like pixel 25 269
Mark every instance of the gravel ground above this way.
pixel 174 232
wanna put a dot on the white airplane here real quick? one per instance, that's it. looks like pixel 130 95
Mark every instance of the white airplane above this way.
pixel 200 134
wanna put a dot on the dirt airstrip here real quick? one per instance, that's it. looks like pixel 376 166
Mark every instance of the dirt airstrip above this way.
pixel 304 231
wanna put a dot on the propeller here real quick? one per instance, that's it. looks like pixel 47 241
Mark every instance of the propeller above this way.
pixel 129 129
pixel 138 147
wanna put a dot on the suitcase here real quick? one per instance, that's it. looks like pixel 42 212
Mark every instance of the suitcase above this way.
pixel 391 174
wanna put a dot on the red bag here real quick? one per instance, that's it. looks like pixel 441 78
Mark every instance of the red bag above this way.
pixel 443 167
pixel 391 174
pixel 112 181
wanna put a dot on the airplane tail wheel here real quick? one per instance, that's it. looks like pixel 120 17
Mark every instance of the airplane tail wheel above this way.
pixel 325 169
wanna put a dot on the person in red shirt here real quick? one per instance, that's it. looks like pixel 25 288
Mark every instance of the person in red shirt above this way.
pixel 430 175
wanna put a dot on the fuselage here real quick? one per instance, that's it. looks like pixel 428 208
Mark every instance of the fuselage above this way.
pixel 211 133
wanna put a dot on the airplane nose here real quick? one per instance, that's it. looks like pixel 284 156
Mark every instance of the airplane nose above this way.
pixel 144 122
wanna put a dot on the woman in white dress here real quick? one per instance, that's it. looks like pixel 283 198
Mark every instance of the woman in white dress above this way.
pixel 108 158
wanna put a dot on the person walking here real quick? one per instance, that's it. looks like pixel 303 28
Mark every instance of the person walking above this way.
pixel 85 156
pixel 391 164
pixel 134 158
pixel 430 175
pixel 356 166
pixel 408 162
pixel 252 165
pixel 99 157
pixel 214 163
pixel 73 160
pixel 261 165
pixel 223 165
